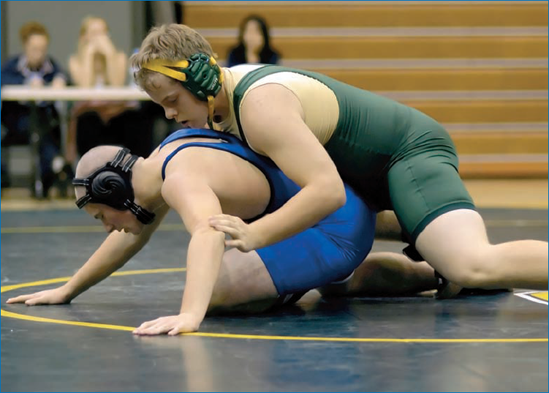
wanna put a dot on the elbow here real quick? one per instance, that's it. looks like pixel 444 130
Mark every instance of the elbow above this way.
pixel 208 237
pixel 203 228
pixel 333 194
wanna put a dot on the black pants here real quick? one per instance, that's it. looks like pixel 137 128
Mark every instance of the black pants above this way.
pixel 16 123
pixel 130 129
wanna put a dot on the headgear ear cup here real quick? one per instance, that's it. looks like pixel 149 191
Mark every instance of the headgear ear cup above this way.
pixel 203 76
pixel 204 80
pixel 111 186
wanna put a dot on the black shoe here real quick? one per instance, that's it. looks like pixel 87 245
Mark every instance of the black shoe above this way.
pixel 63 179
pixel 446 289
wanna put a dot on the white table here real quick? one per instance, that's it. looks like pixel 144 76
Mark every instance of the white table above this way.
pixel 26 93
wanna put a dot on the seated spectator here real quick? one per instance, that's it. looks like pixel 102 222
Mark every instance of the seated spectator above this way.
pixel 253 44
pixel 36 69
pixel 98 63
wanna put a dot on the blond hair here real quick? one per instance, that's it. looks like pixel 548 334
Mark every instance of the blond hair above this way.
pixel 84 26
pixel 171 42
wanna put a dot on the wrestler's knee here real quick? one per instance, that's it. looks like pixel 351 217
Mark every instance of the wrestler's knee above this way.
pixel 472 269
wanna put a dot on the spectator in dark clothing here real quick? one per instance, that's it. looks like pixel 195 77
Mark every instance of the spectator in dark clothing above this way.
pixel 36 69
pixel 253 44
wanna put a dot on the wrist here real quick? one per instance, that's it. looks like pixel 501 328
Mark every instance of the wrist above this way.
pixel 68 293
pixel 193 319
pixel 260 240
pixel 108 49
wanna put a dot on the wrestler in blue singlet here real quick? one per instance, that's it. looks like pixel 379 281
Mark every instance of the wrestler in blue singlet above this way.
pixel 327 252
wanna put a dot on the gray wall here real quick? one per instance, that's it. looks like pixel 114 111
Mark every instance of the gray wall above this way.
pixel 62 19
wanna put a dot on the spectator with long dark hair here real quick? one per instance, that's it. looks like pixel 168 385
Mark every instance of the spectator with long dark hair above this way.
pixel 254 44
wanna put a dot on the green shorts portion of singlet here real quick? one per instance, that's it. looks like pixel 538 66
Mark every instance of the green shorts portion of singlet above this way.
pixel 394 156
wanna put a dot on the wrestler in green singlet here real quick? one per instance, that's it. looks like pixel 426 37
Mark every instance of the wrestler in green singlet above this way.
pixel 396 157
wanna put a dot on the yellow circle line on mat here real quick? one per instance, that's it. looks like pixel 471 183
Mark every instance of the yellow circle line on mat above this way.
pixel 77 229
pixel 9 314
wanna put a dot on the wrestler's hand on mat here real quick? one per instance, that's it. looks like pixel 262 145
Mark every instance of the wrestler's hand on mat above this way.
pixel 172 325
pixel 50 296
pixel 242 237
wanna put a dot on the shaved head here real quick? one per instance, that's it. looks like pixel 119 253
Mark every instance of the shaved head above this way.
pixel 93 160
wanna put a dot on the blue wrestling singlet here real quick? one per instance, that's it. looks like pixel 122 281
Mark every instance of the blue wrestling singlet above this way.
pixel 327 252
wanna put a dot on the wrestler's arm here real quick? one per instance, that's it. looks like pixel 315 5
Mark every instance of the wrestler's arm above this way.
pixel 189 193
pixel 81 68
pixel 271 117
pixel 116 61
pixel 114 252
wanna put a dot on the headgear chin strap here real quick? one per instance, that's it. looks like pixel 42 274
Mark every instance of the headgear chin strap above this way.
pixel 111 185
pixel 199 74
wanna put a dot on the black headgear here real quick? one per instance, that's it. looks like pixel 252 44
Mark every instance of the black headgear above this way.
pixel 111 185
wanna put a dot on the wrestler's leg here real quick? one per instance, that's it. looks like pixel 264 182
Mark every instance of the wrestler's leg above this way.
pixel 457 246
pixel 243 284
pixel 385 274
pixel 437 212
